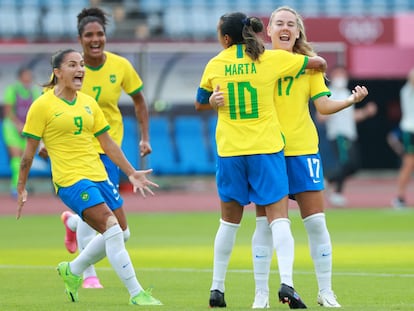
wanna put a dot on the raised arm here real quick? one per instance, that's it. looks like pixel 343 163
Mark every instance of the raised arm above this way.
pixel 325 105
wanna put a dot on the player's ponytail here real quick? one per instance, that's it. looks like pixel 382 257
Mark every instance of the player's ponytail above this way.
pixel 243 30
pixel 254 43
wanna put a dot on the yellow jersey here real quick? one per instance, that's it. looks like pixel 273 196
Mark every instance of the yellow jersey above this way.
pixel 68 130
pixel 105 83
pixel 248 123
pixel 292 106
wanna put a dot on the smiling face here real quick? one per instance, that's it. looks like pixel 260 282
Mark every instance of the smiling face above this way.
pixel 71 72
pixel 283 30
pixel 93 39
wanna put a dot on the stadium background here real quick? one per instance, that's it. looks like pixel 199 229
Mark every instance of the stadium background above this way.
pixel 169 43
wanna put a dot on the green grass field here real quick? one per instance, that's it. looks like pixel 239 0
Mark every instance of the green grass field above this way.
pixel 172 252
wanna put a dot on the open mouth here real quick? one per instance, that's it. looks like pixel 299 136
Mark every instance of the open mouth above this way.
pixel 284 37
pixel 95 48
pixel 78 80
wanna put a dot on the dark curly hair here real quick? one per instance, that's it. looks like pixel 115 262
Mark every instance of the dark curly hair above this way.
pixel 89 15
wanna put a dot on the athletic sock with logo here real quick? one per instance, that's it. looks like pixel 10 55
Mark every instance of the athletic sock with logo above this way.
pixel 262 251
pixel 284 245
pixel 119 258
pixel 223 246
pixel 320 249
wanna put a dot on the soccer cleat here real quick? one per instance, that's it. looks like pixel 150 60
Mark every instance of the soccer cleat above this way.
pixel 144 298
pixel 328 299
pixel 70 236
pixel 91 282
pixel 288 295
pixel 217 299
pixel 398 203
pixel 261 300
pixel 72 282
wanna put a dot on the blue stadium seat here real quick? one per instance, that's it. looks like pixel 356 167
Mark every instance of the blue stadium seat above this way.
pixel 29 20
pixel 131 141
pixel 9 25
pixel 193 152
pixel 211 127
pixel 163 157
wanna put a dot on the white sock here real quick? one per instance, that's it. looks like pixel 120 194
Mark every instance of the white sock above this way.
pixel 93 252
pixel 72 222
pixel 284 245
pixel 223 246
pixel 119 258
pixel 85 234
pixel 262 251
pixel 320 249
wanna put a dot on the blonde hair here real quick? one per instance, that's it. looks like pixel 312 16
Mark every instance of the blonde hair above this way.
pixel 301 46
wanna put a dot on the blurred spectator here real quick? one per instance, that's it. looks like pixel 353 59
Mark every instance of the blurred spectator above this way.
pixel 130 25
pixel 394 140
pixel 341 131
pixel 407 128
pixel 17 99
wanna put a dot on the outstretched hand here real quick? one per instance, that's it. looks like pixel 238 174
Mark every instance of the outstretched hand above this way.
pixel 216 98
pixel 358 94
pixel 21 199
pixel 139 181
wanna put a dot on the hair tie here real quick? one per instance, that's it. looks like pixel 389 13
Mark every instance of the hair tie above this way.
pixel 246 21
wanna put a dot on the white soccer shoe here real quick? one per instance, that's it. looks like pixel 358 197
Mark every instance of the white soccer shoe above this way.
pixel 328 299
pixel 261 300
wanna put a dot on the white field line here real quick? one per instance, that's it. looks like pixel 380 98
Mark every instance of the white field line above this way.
pixel 192 270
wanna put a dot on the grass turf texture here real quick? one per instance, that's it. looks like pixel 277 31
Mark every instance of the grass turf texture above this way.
pixel 172 252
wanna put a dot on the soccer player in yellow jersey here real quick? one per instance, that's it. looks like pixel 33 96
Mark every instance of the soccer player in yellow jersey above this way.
pixel 107 75
pixel 239 83
pixel 68 121
pixel 304 166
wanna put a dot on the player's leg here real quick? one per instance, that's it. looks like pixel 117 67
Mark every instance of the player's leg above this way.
pixel 262 251
pixel 70 221
pixel 232 189
pixel 336 177
pixel 311 206
pixel 406 170
pixel 85 234
pixel 269 172
pixel 305 175
pixel 223 247
pixel 110 242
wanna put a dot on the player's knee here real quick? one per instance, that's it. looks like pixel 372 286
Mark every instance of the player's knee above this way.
pixel 111 221
pixel 127 234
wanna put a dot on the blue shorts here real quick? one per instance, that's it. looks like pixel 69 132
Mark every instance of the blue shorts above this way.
pixel 260 179
pixel 305 173
pixel 86 193
pixel 111 169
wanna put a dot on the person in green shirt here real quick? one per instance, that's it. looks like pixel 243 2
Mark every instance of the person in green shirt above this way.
pixel 17 99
